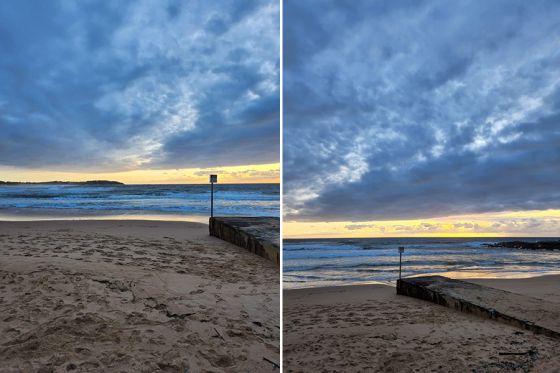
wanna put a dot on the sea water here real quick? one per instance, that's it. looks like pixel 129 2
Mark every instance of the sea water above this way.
pixel 332 262
pixel 163 201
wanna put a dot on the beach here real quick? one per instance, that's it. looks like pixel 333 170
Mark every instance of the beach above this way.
pixel 369 328
pixel 353 261
pixel 133 296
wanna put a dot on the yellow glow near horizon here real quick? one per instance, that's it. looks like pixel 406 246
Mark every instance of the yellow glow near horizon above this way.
pixel 499 224
pixel 264 173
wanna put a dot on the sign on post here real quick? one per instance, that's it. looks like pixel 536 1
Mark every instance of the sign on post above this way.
pixel 213 179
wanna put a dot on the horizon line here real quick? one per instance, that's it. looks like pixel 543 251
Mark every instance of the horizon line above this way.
pixel 406 237
pixel 122 183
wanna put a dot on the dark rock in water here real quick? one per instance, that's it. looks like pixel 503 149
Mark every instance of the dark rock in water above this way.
pixel 539 245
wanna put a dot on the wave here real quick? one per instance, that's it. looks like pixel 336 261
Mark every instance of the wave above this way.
pixel 339 262
pixel 250 199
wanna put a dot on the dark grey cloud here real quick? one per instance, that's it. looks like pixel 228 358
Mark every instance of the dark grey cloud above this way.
pixel 417 109
pixel 122 85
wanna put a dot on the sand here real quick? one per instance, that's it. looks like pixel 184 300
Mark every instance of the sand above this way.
pixel 133 296
pixel 369 328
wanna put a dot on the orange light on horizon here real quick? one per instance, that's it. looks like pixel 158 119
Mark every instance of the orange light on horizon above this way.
pixel 533 223
pixel 247 174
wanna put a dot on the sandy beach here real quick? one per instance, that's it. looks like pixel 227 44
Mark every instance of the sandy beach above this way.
pixel 369 328
pixel 133 296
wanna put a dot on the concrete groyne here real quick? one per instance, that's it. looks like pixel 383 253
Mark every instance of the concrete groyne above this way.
pixel 536 315
pixel 260 235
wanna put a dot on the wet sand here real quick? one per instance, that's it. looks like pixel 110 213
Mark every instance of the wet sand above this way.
pixel 133 296
pixel 369 328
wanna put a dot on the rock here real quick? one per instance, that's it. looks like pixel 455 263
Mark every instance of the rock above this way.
pixel 539 245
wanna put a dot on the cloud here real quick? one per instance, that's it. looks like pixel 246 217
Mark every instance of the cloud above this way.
pixel 139 84
pixel 503 226
pixel 352 227
pixel 420 109
pixel 467 225
pixel 248 173
pixel 527 225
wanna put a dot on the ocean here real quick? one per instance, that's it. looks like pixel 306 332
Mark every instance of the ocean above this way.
pixel 173 202
pixel 332 262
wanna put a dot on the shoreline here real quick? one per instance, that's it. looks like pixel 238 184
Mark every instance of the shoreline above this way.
pixel 377 261
pixel 21 217
pixel 133 295
pixel 497 281
pixel 27 217
pixel 393 284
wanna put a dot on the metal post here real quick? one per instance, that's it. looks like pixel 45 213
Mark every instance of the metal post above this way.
pixel 213 179
pixel 401 250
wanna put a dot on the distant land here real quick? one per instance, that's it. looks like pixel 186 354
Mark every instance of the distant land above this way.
pixel 89 182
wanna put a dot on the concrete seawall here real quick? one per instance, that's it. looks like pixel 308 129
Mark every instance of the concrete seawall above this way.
pixel 259 235
pixel 536 315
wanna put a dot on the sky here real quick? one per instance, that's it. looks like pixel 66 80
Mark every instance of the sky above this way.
pixel 421 118
pixel 139 89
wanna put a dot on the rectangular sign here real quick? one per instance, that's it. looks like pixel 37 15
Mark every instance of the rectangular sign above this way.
pixel 213 178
